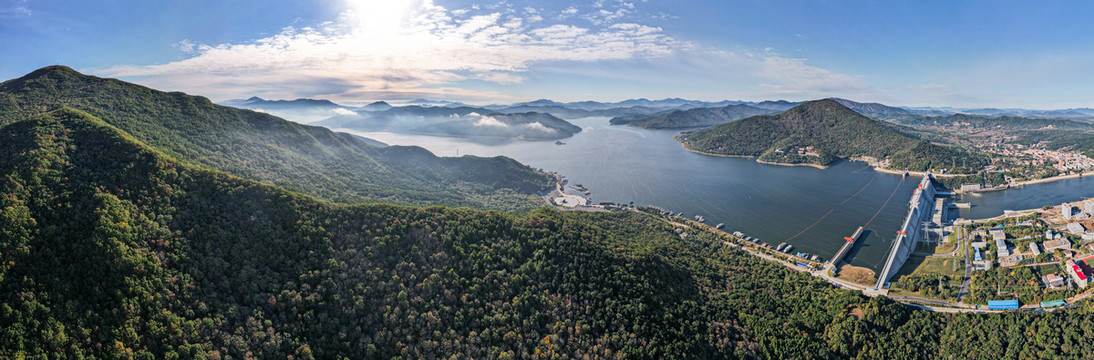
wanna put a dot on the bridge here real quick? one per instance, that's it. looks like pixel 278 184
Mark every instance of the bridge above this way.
pixel 918 210
pixel 846 248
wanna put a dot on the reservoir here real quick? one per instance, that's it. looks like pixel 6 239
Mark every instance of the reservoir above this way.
pixel 812 209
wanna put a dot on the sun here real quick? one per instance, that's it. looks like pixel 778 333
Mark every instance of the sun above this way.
pixel 382 15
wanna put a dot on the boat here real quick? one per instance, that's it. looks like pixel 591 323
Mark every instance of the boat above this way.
pixel 780 247
pixel 559 143
pixel 787 249
pixel 720 226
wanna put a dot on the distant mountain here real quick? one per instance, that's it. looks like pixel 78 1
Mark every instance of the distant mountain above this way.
pixel 400 118
pixel 308 159
pixel 1085 114
pixel 820 132
pixel 300 110
pixel 377 106
pixel 777 105
pixel 457 121
pixel 525 126
pixel 690 118
pixel 257 102
pixel 982 122
pixel 568 112
pixel 875 110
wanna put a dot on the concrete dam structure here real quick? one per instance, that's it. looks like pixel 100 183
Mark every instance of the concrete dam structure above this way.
pixel 919 210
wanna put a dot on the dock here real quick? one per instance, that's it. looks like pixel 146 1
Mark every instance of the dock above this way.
pixel 846 248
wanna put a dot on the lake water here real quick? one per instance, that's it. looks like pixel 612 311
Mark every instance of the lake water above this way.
pixel 991 204
pixel 812 209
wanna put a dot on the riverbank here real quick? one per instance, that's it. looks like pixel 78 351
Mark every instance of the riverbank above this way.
pixel 685 146
pixel 877 167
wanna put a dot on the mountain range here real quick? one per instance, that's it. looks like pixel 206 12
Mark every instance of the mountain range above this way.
pixel 139 224
pixel 307 159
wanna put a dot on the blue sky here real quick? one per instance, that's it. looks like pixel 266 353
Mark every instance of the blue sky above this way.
pixel 928 53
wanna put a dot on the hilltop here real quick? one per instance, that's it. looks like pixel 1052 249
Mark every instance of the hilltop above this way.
pixel 690 118
pixel 820 132
pixel 307 159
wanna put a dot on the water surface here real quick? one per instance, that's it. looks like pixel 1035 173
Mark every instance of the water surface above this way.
pixel 812 209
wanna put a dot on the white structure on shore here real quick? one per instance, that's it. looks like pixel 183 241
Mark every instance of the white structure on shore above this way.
pixel 1065 210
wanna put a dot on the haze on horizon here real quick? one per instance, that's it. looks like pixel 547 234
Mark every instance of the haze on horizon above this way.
pixel 974 54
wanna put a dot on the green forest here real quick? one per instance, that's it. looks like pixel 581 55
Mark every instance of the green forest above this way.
pixel 306 159
pixel 111 248
pixel 835 132
pixel 690 118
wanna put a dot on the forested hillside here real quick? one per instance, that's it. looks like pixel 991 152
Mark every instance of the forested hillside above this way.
pixel 830 131
pixel 111 249
pixel 690 118
pixel 307 159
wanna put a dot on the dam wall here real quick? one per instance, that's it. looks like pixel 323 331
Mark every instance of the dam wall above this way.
pixel 919 210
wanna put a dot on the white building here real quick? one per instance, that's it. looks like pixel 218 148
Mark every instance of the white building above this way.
pixel 1065 210
pixel 1001 245
pixel 1075 228
pixel 1033 247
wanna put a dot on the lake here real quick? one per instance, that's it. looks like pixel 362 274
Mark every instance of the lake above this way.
pixel 810 208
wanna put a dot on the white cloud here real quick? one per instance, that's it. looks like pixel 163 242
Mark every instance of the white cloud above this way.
pixel 794 76
pixel 12 9
pixel 341 111
pixel 539 127
pixel 386 49
pixel 490 121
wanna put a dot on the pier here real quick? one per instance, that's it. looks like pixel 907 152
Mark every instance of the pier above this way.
pixel 846 248
pixel 921 206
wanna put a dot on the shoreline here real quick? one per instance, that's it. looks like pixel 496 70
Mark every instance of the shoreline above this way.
pixel 685 146
pixel 1028 182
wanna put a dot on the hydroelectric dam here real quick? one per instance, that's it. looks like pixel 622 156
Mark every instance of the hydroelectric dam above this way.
pixel 919 210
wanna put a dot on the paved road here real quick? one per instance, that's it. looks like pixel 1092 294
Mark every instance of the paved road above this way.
pixel 918 302
pixel 968 265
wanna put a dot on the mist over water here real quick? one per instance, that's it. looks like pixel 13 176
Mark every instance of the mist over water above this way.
pixel 812 209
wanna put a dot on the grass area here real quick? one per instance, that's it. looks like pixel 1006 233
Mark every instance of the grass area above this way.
pixel 936 248
pixel 858 275
pixel 942 265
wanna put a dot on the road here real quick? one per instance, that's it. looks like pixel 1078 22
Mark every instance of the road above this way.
pixel 968 264
pixel 918 302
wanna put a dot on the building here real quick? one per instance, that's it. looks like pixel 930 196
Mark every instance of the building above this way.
pixel 1088 205
pixel 1065 210
pixel 998 234
pixel 1002 304
pixel 1001 248
pixel 979 244
pixel 1033 247
pixel 1055 281
pixel 1076 273
pixel 1048 234
pixel 971 187
pixel 977 255
pixel 1061 244
pixel 1075 228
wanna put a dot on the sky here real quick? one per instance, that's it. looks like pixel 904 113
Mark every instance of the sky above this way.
pixel 1006 54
